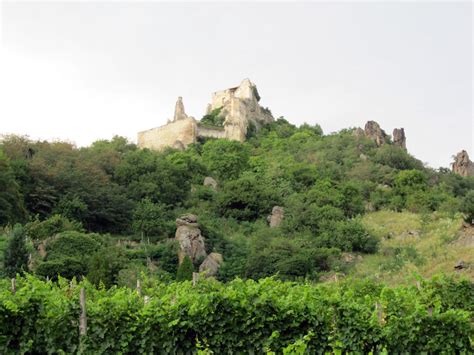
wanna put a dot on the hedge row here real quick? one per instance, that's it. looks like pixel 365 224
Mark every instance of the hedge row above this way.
pixel 241 316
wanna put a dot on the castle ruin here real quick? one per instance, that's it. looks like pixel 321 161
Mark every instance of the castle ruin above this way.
pixel 238 109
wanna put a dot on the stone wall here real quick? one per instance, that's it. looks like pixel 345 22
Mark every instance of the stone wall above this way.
pixel 239 108
pixel 209 132
pixel 177 134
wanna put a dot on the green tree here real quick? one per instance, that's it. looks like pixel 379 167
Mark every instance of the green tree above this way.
pixel 11 204
pixel 185 270
pixel 104 266
pixel 149 219
pixel 15 259
pixel 227 159
pixel 467 207
pixel 247 198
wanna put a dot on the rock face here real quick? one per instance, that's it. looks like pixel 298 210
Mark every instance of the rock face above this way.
pixel 373 131
pixel 462 164
pixel 210 182
pixel 188 234
pixel 210 266
pixel 275 219
pixel 399 138
pixel 239 106
pixel 358 132
pixel 179 113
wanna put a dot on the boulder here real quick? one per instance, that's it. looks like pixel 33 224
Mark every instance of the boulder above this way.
pixel 399 138
pixel 210 266
pixel 460 265
pixel 274 220
pixel 358 132
pixel 210 182
pixel 373 131
pixel 188 234
pixel 462 164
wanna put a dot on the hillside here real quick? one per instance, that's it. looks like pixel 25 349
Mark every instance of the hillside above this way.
pixel 352 203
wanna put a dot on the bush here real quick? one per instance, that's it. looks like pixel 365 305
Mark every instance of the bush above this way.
pixel 40 230
pixel 185 270
pixel 467 207
pixel 246 198
pixel 347 236
pixel 72 244
pixel 15 259
pixel 227 159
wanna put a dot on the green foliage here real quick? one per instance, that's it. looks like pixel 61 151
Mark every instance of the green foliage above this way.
pixel 213 118
pixel 396 158
pixel 227 159
pixel 40 230
pixel 104 266
pixel 150 219
pixel 11 204
pixel 15 258
pixel 253 317
pixel 246 198
pixel 185 270
pixel 67 267
pixel 72 244
pixel 467 206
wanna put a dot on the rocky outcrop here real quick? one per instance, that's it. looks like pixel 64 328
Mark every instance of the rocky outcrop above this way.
pixel 462 164
pixel 210 266
pixel 373 131
pixel 275 219
pixel 179 113
pixel 210 182
pixel 188 234
pixel 358 132
pixel 399 138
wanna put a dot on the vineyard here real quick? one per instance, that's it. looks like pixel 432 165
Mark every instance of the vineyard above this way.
pixel 241 316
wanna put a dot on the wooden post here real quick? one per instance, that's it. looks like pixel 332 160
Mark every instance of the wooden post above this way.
pixel 146 299
pixel 378 307
pixel 83 316
pixel 139 287
pixel 13 286
pixel 195 278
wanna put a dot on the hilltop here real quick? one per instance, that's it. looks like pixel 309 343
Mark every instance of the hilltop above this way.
pixel 287 201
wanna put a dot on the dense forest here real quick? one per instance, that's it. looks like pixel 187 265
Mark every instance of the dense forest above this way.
pixel 108 211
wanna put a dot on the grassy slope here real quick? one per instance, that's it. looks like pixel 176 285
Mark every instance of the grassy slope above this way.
pixel 416 244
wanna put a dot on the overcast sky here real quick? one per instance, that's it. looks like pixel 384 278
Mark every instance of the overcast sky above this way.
pixel 89 70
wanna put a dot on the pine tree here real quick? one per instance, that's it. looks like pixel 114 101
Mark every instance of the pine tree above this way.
pixel 16 255
pixel 185 270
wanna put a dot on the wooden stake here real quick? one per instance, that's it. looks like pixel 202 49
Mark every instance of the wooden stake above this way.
pixel 83 316
pixel 195 278
pixel 139 287
pixel 13 286
pixel 378 307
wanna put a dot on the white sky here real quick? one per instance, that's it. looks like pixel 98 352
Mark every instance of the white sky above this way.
pixel 89 70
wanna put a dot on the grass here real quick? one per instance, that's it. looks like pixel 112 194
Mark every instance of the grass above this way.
pixel 414 244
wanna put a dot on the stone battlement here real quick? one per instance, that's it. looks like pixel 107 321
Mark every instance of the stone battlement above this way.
pixel 238 107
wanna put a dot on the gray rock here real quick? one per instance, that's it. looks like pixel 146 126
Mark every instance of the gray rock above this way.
pixel 275 219
pixel 462 164
pixel 188 234
pixel 210 266
pixel 460 265
pixel 210 182
pixel 399 138
pixel 373 131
